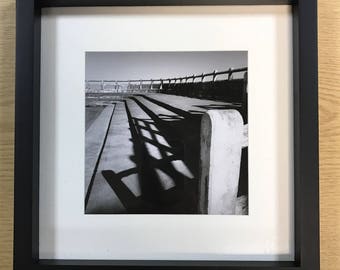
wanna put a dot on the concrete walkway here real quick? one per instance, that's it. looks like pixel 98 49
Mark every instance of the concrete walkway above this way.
pixel 189 106
pixel 94 141
pixel 149 161
pixel 117 162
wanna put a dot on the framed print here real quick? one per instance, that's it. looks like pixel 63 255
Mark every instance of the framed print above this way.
pixel 166 134
pixel 125 128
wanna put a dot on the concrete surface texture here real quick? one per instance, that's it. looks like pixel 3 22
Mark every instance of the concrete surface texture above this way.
pixel 150 158
pixel 222 138
pixel 94 140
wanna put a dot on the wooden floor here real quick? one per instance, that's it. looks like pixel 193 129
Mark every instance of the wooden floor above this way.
pixel 329 64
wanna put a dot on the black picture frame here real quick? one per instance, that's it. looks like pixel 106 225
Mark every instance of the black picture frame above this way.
pixel 306 170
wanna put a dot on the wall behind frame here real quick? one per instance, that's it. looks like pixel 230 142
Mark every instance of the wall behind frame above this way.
pixel 7 65
pixel 329 115
pixel 329 125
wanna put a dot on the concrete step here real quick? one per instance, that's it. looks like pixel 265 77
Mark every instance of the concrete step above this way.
pixel 149 161
pixel 116 170
pixel 167 183
pixel 92 113
pixel 160 153
pixel 94 141
pixel 187 106
pixel 137 164
pixel 180 129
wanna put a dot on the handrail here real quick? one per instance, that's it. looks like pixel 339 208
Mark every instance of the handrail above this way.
pixel 186 78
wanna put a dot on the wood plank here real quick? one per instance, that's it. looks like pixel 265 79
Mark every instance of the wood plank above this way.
pixel 7 58
pixel 329 116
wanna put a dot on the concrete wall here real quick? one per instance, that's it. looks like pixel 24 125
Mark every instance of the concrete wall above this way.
pixel 222 138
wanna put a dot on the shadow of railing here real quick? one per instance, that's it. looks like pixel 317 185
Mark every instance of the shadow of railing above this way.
pixel 182 132
pixel 155 173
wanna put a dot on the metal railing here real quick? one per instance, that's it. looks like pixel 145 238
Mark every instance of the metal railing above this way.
pixel 95 86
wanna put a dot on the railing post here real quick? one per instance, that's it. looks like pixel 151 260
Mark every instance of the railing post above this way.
pixel 230 73
pixel 214 75
pixel 245 98
pixel 128 88
pixel 222 139
pixel 161 86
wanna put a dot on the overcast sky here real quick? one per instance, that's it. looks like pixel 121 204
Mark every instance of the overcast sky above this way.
pixel 156 65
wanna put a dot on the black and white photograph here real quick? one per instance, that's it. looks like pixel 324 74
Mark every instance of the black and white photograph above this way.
pixel 166 133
